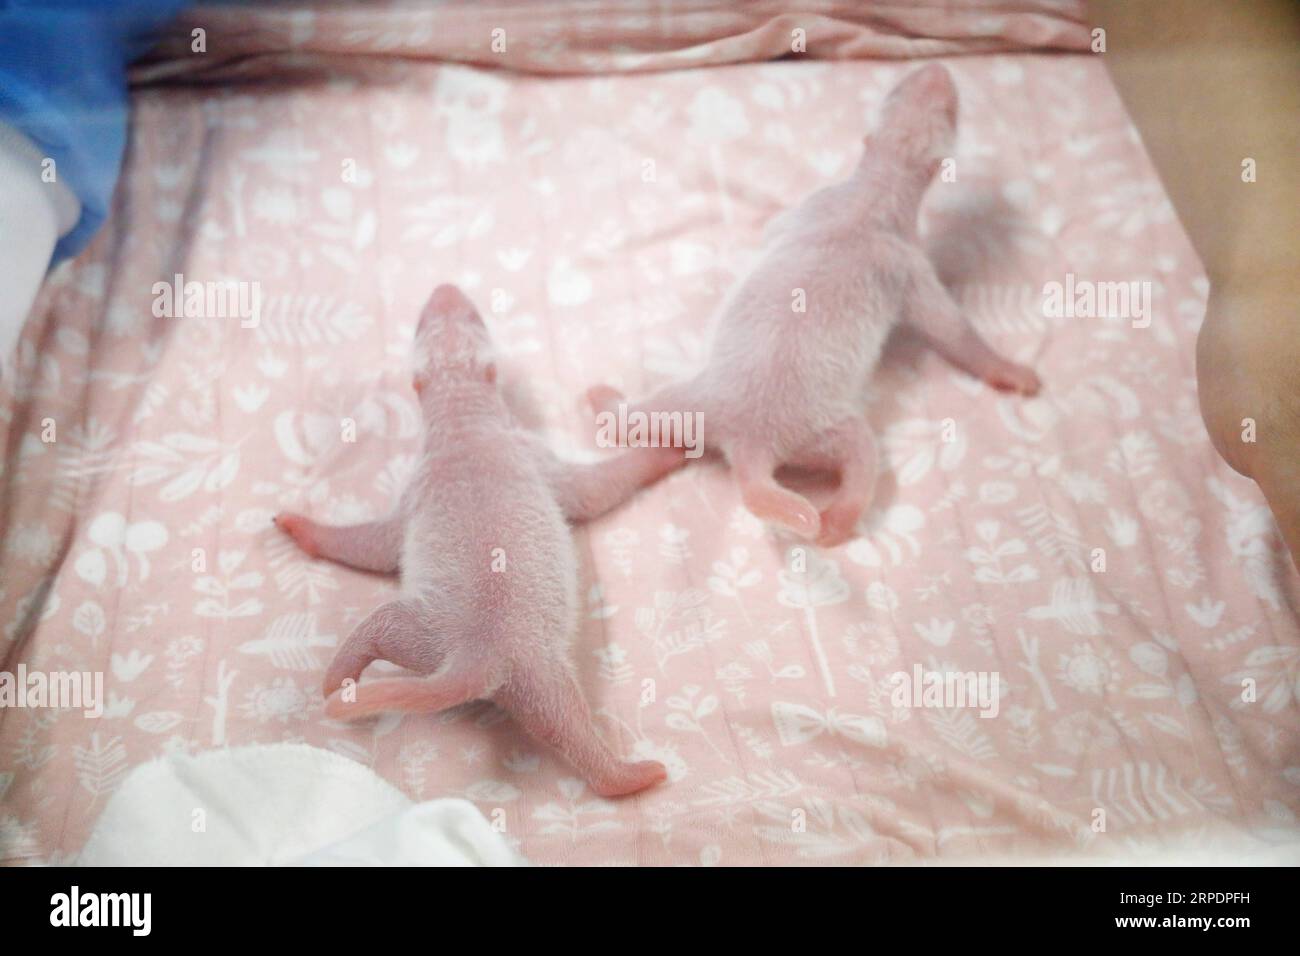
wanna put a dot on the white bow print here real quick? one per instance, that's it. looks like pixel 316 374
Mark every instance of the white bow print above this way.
pixel 797 724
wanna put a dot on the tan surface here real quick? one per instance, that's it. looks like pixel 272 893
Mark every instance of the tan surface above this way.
pixel 1210 83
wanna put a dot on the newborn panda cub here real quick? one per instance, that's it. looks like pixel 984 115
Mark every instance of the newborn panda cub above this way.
pixel 489 574
pixel 784 386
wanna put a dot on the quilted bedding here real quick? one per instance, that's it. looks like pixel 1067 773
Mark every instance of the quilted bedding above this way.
pixel 1086 547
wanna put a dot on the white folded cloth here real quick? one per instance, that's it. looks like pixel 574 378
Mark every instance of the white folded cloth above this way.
pixel 33 215
pixel 282 804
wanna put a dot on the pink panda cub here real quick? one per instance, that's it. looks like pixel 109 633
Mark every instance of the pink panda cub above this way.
pixel 784 387
pixel 489 574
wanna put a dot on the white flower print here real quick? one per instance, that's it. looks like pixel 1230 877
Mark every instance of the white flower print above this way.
pixel 1088 669
pixel 1084 732
pixel 276 205
pixel 281 700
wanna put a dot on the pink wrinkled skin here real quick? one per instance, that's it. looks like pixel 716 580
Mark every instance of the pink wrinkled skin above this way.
pixel 488 570
pixel 784 386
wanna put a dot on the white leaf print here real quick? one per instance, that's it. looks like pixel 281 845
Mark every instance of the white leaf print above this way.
pixel 251 397
pixel 1150 658
pixel 937 632
pixel 127 667
pixel 290 641
pixel 915 446
pixel 960 730
pixel 1208 613
pixel 716 116
pixel 101 765
pixel 1053 770
pixel 1123 530
pixel 1250 531
pixel 1055 535
pixel 158 721
pixel 304 320
pixel 1275 671
pixel 1075 606
pixel 1135 456
pixel 1141 793
pixel 492 792
pixel 89 619
pixel 817 586
pixel 512 260
pixel 887 535
pixel 566 285
pixel 365 231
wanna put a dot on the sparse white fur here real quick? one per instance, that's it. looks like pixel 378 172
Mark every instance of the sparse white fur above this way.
pixel 784 386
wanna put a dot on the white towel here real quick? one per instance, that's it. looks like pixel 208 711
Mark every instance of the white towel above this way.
pixel 34 213
pixel 282 804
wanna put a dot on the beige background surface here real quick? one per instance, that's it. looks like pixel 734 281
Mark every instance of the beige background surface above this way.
pixel 1209 83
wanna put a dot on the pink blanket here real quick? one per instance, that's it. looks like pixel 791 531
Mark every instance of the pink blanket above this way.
pixel 1087 546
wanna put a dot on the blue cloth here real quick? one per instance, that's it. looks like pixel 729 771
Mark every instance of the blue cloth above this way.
pixel 63 84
